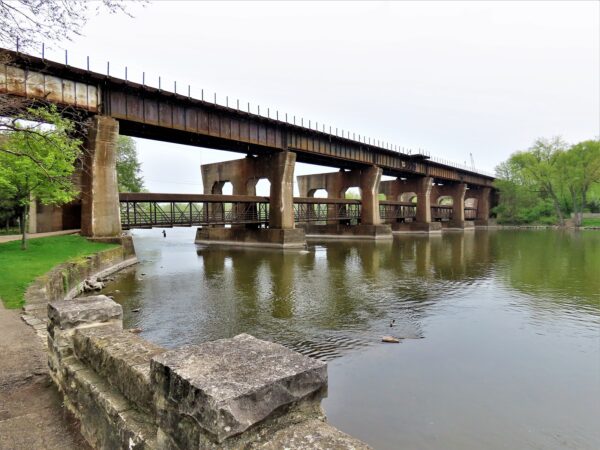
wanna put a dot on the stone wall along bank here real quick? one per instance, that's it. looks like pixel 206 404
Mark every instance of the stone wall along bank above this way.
pixel 238 393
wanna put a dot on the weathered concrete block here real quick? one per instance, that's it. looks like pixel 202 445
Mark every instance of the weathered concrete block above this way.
pixel 122 358
pixel 310 434
pixel 108 421
pixel 229 385
pixel 69 314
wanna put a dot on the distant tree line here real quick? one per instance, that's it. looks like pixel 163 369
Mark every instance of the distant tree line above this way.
pixel 548 182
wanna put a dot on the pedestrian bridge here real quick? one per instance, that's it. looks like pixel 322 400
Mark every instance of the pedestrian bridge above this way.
pixel 147 210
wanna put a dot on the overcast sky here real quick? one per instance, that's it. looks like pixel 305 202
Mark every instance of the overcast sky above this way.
pixel 455 79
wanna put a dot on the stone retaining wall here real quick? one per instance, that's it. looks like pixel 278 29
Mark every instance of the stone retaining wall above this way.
pixel 238 393
pixel 66 280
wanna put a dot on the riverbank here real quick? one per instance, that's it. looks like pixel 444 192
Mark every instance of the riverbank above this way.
pixel 20 268
pixel 32 414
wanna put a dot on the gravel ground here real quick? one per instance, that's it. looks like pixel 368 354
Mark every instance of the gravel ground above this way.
pixel 31 412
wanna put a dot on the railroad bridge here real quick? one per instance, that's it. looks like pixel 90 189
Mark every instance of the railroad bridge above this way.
pixel 271 143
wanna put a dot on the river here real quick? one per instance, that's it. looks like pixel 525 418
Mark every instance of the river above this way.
pixel 501 329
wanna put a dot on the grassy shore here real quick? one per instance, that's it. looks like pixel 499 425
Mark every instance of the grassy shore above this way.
pixel 591 222
pixel 20 268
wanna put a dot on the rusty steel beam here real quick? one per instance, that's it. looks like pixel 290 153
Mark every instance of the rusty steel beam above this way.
pixel 148 112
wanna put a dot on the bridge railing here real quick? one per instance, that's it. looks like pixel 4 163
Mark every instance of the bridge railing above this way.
pixel 441 213
pixel 395 211
pixel 470 213
pixel 143 210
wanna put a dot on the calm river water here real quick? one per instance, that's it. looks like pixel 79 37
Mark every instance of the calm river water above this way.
pixel 502 329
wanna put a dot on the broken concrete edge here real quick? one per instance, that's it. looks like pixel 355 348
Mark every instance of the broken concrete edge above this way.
pixel 212 383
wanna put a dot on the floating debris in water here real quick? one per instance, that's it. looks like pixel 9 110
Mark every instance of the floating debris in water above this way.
pixel 390 340
pixel 135 330
pixel 135 310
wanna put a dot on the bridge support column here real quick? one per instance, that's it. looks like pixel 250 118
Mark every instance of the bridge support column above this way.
pixel 100 216
pixel 457 192
pixel 369 197
pixel 423 215
pixel 336 184
pixel 243 174
pixel 281 205
pixel 483 206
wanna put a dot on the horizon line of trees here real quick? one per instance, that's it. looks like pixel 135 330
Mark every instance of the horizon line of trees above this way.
pixel 548 182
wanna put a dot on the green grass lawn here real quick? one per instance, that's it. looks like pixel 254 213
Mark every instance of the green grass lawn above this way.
pixel 591 222
pixel 19 268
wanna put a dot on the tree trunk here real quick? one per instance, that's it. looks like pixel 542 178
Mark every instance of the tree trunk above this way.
pixel 576 209
pixel 24 216
pixel 559 213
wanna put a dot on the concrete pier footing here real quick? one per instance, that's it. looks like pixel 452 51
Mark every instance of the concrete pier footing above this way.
pixel 259 237
pixel 338 231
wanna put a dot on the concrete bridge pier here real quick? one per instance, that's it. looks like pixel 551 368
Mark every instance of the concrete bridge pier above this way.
pixel 456 192
pixel 419 188
pixel 243 174
pixel 100 214
pixel 336 184
pixel 483 197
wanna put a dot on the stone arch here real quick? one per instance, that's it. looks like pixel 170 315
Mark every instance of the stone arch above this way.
pixel 263 187
pixel 408 197
pixel 217 187
pixel 353 192
pixel 227 188
pixel 445 200
pixel 471 202
pixel 319 193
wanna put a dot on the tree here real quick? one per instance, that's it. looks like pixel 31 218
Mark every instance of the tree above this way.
pixel 541 164
pixel 37 161
pixel 581 168
pixel 9 209
pixel 549 176
pixel 31 22
pixel 128 166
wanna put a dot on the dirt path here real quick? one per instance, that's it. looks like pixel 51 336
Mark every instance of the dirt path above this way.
pixel 31 413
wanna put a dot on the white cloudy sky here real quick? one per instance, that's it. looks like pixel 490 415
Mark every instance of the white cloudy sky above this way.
pixel 455 79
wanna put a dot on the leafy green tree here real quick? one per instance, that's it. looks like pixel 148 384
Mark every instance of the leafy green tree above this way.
pixel 9 209
pixel 37 160
pixel 581 168
pixel 549 179
pixel 520 198
pixel 541 164
pixel 128 166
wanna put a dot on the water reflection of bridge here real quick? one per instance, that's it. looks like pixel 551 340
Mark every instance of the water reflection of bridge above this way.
pixel 340 295
pixel 146 210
